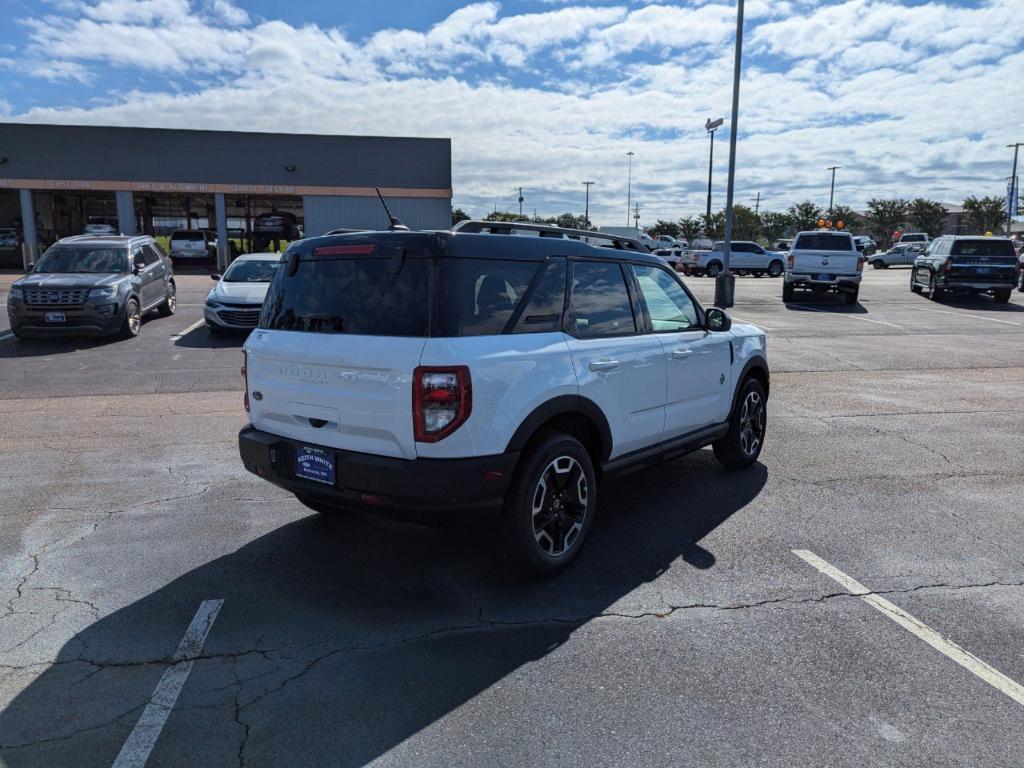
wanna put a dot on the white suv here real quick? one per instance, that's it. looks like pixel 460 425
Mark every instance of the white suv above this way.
pixel 429 374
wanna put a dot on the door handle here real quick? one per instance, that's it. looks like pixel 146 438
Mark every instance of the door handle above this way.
pixel 681 354
pixel 604 365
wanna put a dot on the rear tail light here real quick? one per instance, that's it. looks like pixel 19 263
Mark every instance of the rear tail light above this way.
pixel 789 262
pixel 442 399
pixel 245 376
pixel 860 262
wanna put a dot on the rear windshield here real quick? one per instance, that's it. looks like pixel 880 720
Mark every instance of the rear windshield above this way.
pixel 251 271
pixel 84 259
pixel 365 295
pixel 983 248
pixel 824 241
pixel 187 236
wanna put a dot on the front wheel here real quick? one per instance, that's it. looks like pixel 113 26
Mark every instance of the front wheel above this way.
pixel 1020 281
pixel 714 269
pixel 775 269
pixel 914 285
pixel 549 507
pixel 132 320
pixel 878 264
pixel 743 442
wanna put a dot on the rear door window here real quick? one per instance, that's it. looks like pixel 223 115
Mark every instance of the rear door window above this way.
pixel 600 301
pixel 542 312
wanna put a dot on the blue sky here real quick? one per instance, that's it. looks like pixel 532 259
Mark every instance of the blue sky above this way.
pixel 910 98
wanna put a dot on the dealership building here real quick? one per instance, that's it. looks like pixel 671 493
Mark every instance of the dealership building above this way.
pixel 56 179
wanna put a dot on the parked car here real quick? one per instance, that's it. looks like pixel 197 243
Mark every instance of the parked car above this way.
pixel 746 257
pixel 100 226
pixel 973 264
pixel 783 245
pixel 634 233
pixel 901 255
pixel 235 302
pixel 192 245
pixel 98 285
pixel 428 375
pixel 823 260
pixel 914 237
pixel 865 244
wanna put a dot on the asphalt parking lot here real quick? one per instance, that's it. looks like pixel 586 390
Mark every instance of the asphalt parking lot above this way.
pixel 160 602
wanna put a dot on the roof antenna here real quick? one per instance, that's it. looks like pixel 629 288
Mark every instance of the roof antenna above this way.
pixel 396 224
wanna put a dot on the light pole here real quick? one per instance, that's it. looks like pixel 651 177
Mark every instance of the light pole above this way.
pixel 711 126
pixel 832 190
pixel 586 211
pixel 725 283
pixel 629 185
pixel 1012 198
pixel 520 201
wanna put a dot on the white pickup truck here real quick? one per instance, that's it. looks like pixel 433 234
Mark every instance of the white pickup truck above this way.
pixel 823 260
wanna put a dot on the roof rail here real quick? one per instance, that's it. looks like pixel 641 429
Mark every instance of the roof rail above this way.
pixel 550 230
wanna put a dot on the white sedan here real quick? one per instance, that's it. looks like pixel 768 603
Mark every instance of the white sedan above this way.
pixel 235 302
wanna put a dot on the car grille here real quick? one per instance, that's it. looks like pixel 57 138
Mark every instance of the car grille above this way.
pixel 247 317
pixel 56 297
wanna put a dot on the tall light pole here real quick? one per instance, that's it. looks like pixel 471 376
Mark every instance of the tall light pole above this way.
pixel 520 201
pixel 832 189
pixel 586 211
pixel 711 126
pixel 725 283
pixel 629 185
pixel 1011 200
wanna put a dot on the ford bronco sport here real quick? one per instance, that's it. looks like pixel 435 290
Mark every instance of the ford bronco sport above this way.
pixel 433 373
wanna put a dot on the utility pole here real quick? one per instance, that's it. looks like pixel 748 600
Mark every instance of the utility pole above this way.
pixel 1012 197
pixel 586 210
pixel 757 203
pixel 725 283
pixel 832 190
pixel 629 186
pixel 520 202
pixel 636 216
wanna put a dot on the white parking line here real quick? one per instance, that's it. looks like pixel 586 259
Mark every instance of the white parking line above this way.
pixel 840 314
pixel 968 661
pixel 6 335
pixel 141 740
pixel 964 314
pixel 185 331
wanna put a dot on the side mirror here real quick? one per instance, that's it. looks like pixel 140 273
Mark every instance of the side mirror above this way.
pixel 215 276
pixel 31 266
pixel 136 268
pixel 717 320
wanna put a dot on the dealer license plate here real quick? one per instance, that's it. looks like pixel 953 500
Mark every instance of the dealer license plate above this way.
pixel 313 463
pixel 54 317
pixel 823 277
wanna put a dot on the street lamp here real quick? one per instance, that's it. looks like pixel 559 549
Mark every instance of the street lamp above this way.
pixel 586 213
pixel 832 189
pixel 1011 198
pixel 725 283
pixel 629 186
pixel 711 126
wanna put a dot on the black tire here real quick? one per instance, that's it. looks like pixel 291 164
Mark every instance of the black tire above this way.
pixel 934 292
pixel 776 268
pixel 714 269
pixel 747 424
pixel 170 303
pixel 787 291
pixel 914 285
pixel 1001 296
pixel 878 264
pixel 542 532
pixel 321 508
pixel 1020 281
pixel 851 296
pixel 132 320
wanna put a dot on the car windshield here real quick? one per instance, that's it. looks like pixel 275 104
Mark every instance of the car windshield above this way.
pixel 251 272
pixel 84 259
pixel 983 248
pixel 824 241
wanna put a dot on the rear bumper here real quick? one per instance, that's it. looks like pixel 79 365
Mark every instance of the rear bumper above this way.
pixel 977 285
pixel 839 282
pixel 419 490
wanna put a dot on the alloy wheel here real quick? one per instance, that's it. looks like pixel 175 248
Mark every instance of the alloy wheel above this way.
pixel 559 506
pixel 134 319
pixel 752 423
pixel 172 300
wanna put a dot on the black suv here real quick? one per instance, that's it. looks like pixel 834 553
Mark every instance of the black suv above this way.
pixel 971 264
pixel 95 285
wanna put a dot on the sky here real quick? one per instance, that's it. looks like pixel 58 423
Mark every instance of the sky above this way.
pixel 910 99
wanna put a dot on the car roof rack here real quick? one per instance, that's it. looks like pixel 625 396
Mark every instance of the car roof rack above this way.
pixel 549 230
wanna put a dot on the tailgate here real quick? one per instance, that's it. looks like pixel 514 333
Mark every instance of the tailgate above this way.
pixel 825 262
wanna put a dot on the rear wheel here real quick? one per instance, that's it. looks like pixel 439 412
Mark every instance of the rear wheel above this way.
pixel 743 442
pixel 934 292
pixel 851 296
pixel 1020 280
pixel 714 269
pixel 549 507
pixel 878 264
pixel 1001 296
pixel 787 291
pixel 132 320
pixel 775 269
pixel 170 303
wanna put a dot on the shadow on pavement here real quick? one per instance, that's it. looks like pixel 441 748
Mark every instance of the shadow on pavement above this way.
pixel 12 347
pixel 824 302
pixel 341 638
pixel 203 338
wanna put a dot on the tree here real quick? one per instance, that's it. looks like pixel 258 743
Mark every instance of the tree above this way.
pixel 459 215
pixel 665 228
pixel 774 224
pixel 713 226
pixel 927 216
pixel 850 218
pixel 570 221
pixel 886 216
pixel 805 215
pixel 746 225
pixel 503 216
pixel 986 215
pixel 690 228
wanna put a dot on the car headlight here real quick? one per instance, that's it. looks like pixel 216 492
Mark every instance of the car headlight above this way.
pixel 16 293
pixel 212 303
pixel 106 292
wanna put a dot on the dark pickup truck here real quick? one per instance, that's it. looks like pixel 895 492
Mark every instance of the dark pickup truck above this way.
pixel 971 264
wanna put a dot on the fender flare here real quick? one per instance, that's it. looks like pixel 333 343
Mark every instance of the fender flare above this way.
pixel 558 406
pixel 754 362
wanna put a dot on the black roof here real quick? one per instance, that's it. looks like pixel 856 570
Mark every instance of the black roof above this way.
pixel 476 246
